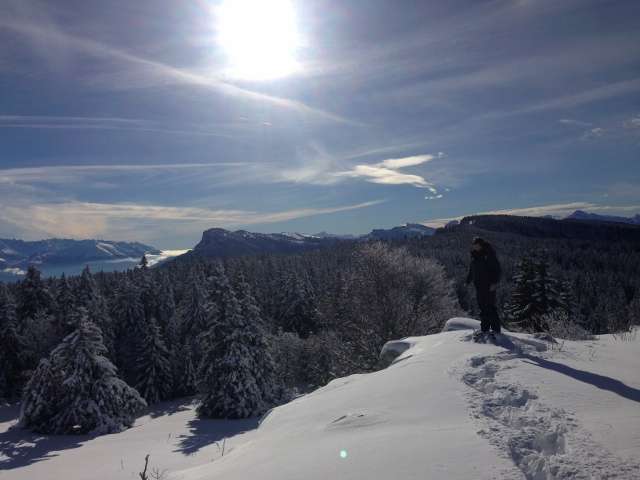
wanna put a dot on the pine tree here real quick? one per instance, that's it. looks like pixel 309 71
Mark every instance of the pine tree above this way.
pixel 128 314
pixel 65 306
pixel 228 371
pixel 76 390
pixel 536 293
pixel 89 296
pixel 270 386
pixel 154 375
pixel 33 295
pixel 298 310
pixel 184 371
pixel 193 309
pixel 12 347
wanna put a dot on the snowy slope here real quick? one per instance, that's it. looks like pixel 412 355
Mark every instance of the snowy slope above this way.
pixel 447 408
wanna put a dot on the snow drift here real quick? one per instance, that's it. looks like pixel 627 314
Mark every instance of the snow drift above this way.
pixel 444 408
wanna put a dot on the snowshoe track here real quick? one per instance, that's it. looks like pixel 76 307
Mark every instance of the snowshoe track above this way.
pixel 545 443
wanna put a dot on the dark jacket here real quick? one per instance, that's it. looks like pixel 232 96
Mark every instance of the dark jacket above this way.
pixel 484 269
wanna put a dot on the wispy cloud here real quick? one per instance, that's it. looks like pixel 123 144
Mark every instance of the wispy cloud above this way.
pixel 578 123
pixel 555 210
pixel 63 174
pixel 387 172
pixel 104 123
pixel 603 92
pixel 153 73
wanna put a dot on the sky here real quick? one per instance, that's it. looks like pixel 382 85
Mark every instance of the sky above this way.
pixel 154 120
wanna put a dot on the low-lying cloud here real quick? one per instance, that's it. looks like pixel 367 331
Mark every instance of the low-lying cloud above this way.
pixel 141 222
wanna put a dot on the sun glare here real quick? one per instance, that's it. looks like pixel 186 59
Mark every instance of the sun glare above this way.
pixel 259 37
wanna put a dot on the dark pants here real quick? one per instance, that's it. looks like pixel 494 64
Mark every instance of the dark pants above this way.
pixel 489 318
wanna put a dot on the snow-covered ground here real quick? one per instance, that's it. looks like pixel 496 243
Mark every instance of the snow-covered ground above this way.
pixel 446 408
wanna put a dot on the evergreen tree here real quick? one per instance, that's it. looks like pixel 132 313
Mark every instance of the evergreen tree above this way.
pixel 193 309
pixel 128 314
pixel 89 296
pixel 184 371
pixel 536 293
pixel 298 309
pixel 260 349
pixel 12 347
pixel 165 303
pixel 228 371
pixel 76 390
pixel 154 375
pixel 33 295
pixel 65 306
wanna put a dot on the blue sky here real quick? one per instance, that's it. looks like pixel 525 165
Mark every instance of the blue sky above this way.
pixel 132 120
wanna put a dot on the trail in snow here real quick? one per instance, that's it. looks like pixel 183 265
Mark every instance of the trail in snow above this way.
pixel 545 443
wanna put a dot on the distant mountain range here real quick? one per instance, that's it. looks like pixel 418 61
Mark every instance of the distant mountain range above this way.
pixel 541 227
pixel 582 215
pixel 17 255
pixel 218 242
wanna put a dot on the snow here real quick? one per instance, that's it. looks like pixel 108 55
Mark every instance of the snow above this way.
pixel 108 248
pixel 461 323
pixel 445 408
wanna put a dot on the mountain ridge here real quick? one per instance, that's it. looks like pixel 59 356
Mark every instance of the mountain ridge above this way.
pixel 219 242
pixel 16 253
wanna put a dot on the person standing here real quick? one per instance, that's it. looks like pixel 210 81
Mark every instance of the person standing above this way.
pixel 484 272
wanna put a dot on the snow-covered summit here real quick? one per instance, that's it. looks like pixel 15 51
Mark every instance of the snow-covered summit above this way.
pixel 445 408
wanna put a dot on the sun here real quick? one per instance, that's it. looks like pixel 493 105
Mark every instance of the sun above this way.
pixel 259 38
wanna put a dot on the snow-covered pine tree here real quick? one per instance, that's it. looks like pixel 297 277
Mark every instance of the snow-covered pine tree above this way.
pixel 193 309
pixel 76 390
pixel 11 347
pixel 536 293
pixel 184 371
pixel 153 368
pixel 89 296
pixel 165 303
pixel 298 309
pixel 128 314
pixel 33 296
pixel 261 352
pixel 65 306
pixel 227 372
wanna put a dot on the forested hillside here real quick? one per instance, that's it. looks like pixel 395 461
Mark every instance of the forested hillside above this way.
pixel 273 325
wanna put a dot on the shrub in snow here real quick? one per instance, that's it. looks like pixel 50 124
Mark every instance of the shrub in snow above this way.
pixel 560 326
pixel 76 390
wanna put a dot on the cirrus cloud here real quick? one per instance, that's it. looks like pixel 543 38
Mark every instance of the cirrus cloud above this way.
pixel 386 172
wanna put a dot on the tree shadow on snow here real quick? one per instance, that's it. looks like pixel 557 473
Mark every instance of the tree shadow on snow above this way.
pixel 170 407
pixel 20 447
pixel 599 381
pixel 204 432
